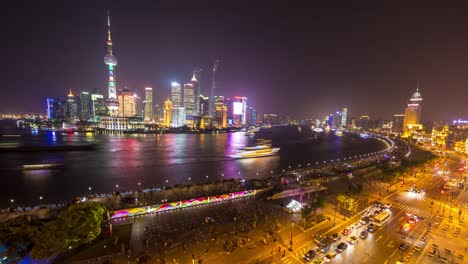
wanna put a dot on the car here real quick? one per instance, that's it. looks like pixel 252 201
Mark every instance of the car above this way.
pixel 330 256
pixel 319 238
pixel 317 261
pixel 335 237
pixel 363 234
pixel 416 248
pixel 405 227
pixel 341 247
pixel 365 220
pixel 323 247
pixel 310 255
pixel 376 212
pixel 371 228
pixel 353 240
pixel 412 220
pixel 403 246
pixel 345 231
pixel 356 225
pixel 423 239
pixel 386 206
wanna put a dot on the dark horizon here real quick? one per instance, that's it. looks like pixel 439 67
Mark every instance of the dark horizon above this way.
pixel 298 60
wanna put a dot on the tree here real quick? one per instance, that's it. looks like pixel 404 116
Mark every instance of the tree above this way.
pixel 77 225
pixel 18 234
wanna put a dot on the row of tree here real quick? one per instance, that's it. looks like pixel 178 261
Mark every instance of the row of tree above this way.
pixel 76 225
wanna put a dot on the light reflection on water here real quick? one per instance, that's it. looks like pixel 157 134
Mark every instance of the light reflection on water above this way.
pixel 152 159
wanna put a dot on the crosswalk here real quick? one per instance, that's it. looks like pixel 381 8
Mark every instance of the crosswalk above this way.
pixel 286 260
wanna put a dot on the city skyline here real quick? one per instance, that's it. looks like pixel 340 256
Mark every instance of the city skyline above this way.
pixel 336 64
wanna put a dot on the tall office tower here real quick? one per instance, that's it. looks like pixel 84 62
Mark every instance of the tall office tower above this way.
pixel 157 114
pixel 167 112
pixel 330 120
pixel 397 126
pixel 364 122
pixel 204 105
pixel 85 106
pixel 213 86
pixel 197 89
pixel 230 110
pixel 413 112
pixel 126 100
pixel 56 109
pixel 189 103
pixel 71 108
pixel 138 105
pixel 176 94
pixel 98 105
pixel 149 104
pixel 111 61
pixel 251 116
pixel 344 117
pixel 240 111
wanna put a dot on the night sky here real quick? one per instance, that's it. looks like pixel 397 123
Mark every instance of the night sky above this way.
pixel 302 60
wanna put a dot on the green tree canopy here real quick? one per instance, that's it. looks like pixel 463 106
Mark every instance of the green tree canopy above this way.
pixel 18 233
pixel 77 225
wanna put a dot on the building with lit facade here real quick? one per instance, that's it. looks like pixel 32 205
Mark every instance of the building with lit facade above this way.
pixel 251 116
pixel 72 107
pixel 239 111
pixel 189 104
pixel 439 136
pixel 149 105
pixel 271 119
pixel 178 110
pixel 397 123
pixel 98 106
pixel 167 113
pixel 412 122
pixel 126 100
pixel 121 123
pixel 204 105
pixel 85 106
pixel 56 109
pixel 158 114
pixel 344 117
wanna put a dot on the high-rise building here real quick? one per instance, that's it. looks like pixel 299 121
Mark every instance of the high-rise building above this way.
pixel 126 100
pixel 330 120
pixel 251 116
pixel 149 104
pixel 413 113
pixel 344 117
pixel 56 109
pixel 138 105
pixel 167 112
pixel 197 89
pixel 204 105
pixel 111 61
pixel 189 101
pixel 85 106
pixel 230 110
pixel 72 108
pixel 220 114
pixel 397 123
pixel 364 122
pixel 176 94
pixel 158 114
pixel 239 111
pixel 213 86
pixel 98 105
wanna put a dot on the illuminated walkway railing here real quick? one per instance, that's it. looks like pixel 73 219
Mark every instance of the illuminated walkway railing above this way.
pixel 180 204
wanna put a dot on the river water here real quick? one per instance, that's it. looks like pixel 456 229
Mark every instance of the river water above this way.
pixel 158 160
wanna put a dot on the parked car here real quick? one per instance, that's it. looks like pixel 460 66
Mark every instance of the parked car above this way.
pixel 341 247
pixel 403 246
pixel 336 237
pixel 353 240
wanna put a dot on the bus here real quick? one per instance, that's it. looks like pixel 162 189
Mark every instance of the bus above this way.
pixel 382 218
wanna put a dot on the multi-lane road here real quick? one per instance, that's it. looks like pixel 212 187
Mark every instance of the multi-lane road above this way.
pixel 383 245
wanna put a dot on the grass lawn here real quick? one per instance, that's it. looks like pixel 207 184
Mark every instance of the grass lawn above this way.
pixel 101 247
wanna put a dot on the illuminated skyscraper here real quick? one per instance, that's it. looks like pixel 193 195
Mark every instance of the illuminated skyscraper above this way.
pixel 397 123
pixel 149 105
pixel 56 109
pixel 176 94
pixel 126 100
pixel 213 87
pixel 138 105
pixel 85 106
pixel 98 105
pixel 344 116
pixel 111 61
pixel 189 103
pixel 71 108
pixel 239 111
pixel 413 113
pixel 158 114
pixel 196 86
pixel 167 112
pixel 204 105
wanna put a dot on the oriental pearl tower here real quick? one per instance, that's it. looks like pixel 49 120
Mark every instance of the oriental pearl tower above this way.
pixel 111 61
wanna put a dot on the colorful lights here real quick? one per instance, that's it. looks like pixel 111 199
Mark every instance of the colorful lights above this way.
pixel 181 204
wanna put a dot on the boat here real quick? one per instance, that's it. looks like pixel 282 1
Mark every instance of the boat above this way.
pixel 262 149
pixel 42 166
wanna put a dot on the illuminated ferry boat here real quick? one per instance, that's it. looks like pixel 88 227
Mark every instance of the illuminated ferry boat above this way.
pixel 263 149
